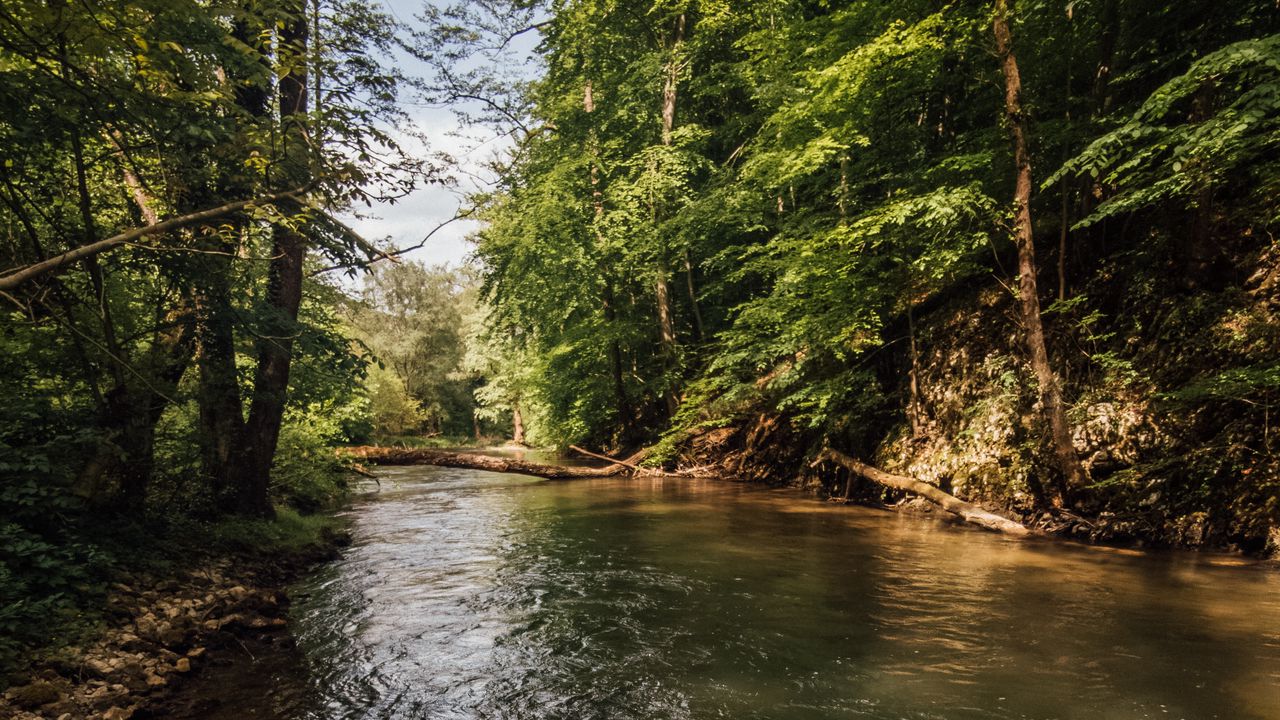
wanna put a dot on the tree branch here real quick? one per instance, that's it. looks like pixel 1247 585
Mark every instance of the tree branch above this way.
pixel 19 276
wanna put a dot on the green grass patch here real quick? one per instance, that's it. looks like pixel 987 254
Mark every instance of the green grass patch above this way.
pixel 289 532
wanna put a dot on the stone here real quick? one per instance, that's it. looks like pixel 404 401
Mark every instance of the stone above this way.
pixel 99 666
pixel 30 697
pixel 183 665
pixel 118 713
pixel 155 681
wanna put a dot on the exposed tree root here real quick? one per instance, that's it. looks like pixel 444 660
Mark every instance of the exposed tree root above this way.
pixel 952 504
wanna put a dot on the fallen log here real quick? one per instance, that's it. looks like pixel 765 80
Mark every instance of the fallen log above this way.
pixel 636 469
pixel 952 504
pixel 476 461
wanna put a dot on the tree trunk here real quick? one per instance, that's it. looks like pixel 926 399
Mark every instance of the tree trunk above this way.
pixel 221 414
pixel 1072 474
pixel 667 332
pixel 913 378
pixel 693 296
pixel 968 511
pixel 662 292
pixel 284 293
pixel 517 425
pixel 476 461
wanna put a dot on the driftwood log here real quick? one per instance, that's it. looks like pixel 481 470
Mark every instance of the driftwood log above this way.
pixel 952 504
pixel 477 461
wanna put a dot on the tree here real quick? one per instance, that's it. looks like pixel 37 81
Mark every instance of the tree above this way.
pixel 1073 477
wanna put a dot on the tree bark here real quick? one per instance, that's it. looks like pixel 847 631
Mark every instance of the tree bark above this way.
pixel 284 294
pixel 967 511
pixel 662 292
pixel 517 425
pixel 693 296
pixel 1072 474
pixel 476 461
pixel 221 414
pixel 913 378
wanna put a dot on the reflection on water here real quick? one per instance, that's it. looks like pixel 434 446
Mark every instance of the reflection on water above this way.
pixel 476 595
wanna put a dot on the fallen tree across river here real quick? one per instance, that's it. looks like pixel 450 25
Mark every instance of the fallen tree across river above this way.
pixel 952 504
pixel 478 461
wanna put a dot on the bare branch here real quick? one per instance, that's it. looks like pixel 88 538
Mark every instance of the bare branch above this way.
pixel 522 31
pixel 394 255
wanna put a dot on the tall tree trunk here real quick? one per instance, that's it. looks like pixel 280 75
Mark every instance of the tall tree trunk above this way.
pixel 693 295
pixel 284 291
pixel 221 414
pixel 662 293
pixel 1072 474
pixel 913 377
pixel 221 408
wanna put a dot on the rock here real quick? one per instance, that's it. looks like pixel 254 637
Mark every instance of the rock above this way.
pixel 99 666
pixel 30 697
pixel 156 681
pixel 131 642
pixel 183 665
pixel 173 636
pixel 195 652
pixel 118 713
pixel 239 592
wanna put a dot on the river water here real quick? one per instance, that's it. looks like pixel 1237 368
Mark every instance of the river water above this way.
pixel 478 595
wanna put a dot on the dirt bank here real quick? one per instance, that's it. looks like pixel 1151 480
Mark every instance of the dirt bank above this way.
pixel 161 632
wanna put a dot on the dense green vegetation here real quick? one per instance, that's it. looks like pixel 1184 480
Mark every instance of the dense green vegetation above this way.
pixel 145 373
pixel 772 226
pixel 1023 252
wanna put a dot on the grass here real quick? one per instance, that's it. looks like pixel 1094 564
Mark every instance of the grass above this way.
pixel 289 532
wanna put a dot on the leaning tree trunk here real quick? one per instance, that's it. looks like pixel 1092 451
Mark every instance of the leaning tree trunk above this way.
pixel 952 504
pixel 1072 474
pixel 284 294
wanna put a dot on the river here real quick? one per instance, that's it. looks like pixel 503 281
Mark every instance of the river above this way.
pixel 478 595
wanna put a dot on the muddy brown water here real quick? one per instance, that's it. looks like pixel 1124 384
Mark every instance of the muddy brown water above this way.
pixel 469 594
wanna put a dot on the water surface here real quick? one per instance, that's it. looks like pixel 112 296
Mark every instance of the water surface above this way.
pixel 477 595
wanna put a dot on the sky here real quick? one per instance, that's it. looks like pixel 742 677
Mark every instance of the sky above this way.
pixel 407 221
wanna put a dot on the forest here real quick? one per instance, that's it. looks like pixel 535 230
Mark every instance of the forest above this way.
pixel 1021 253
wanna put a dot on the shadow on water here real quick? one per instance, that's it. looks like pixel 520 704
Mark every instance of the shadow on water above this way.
pixel 477 595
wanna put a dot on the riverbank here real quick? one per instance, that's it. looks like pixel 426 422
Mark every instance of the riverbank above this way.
pixel 158 629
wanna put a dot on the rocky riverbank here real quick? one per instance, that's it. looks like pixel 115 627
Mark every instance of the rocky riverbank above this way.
pixel 162 631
